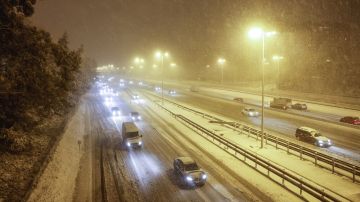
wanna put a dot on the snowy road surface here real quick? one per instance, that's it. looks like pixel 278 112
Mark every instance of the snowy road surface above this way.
pixel 146 174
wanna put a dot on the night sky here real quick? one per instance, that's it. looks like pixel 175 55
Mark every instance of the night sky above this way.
pixel 195 32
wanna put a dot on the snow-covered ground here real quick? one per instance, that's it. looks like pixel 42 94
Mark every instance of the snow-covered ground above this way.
pixel 57 182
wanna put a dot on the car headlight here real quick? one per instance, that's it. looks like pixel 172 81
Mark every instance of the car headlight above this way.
pixel 188 178
pixel 128 144
pixel 133 118
pixel 320 141
pixel 204 177
pixel 139 117
pixel 140 143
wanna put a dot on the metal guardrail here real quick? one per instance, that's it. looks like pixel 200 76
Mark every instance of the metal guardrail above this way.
pixel 333 162
pixel 284 175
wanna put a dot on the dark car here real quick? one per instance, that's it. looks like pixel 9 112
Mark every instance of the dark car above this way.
pixel 135 116
pixel 312 136
pixel 299 106
pixel 238 99
pixel 189 172
pixel 351 120
pixel 115 111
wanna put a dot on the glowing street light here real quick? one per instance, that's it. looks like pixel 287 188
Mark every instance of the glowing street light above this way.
pixel 139 61
pixel 221 62
pixel 173 65
pixel 259 33
pixel 160 55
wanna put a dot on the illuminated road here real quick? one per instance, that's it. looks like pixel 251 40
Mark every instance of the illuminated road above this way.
pixel 146 174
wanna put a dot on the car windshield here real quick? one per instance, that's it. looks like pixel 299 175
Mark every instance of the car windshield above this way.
pixel 251 110
pixel 132 134
pixel 191 166
pixel 134 114
pixel 115 109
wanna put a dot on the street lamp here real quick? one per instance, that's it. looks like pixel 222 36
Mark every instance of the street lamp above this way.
pixel 160 55
pixel 277 58
pixel 258 33
pixel 173 65
pixel 221 62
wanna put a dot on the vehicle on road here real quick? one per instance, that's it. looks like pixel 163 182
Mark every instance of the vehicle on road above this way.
pixel 115 111
pixel 299 106
pixel 130 135
pixel 189 172
pixel 157 89
pixel 278 106
pixel 281 103
pixel 312 136
pixel 135 116
pixel 172 92
pixel 350 120
pixel 135 96
pixel 250 112
pixel 239 99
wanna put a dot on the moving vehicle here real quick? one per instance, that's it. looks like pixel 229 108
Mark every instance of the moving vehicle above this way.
pixel 115 111
pixel 135 96
pixel 250 112
pixel 312 136
pixel 130 135
pixel 299 106
pixel 172 92
pixel 189 172
pixel 157 89
pixel 135 116
pixel 281 103
pixel 238 99
pixel 351 120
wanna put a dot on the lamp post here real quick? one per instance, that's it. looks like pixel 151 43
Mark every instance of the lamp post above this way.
pixel 160 55
pixel 277 58
pixel 221 62
pixel 139 62
pixel 257 33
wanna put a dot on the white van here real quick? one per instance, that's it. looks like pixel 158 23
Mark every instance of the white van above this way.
pixel 130 135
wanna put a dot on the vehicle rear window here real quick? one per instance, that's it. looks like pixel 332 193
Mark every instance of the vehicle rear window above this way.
pixel 132 134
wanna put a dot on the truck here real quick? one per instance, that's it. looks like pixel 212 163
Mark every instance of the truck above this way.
pixel 281 103
pixel 130 135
